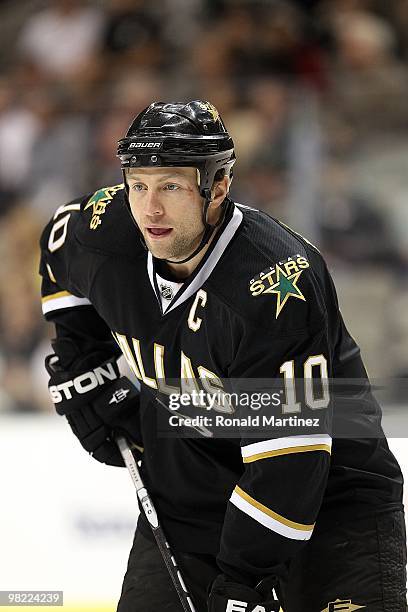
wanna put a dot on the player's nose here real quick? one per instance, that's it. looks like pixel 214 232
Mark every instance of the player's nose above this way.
pixel 153 205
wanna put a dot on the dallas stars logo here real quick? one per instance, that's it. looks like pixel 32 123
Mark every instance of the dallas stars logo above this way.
pixel 207 106
pixel 99 202
pixel 285 287
pixel 342 604
pixel 281 278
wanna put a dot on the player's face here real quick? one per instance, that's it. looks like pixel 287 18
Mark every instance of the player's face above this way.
pixel 167 207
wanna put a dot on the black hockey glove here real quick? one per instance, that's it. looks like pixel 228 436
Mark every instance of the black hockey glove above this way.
pixel 229 596
pixel 96 401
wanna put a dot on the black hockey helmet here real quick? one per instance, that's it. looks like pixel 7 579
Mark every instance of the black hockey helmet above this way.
pixel 191 134
pixel 183 135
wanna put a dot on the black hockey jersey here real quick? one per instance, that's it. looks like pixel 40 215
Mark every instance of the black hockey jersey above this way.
pixel 260 305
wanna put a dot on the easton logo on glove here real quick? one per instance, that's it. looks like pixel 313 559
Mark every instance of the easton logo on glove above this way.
pixel 229 596
pixel 234 605
pixel 83 383
pixel 119 396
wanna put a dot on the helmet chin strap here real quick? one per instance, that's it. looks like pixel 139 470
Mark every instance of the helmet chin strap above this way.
pixel 208 230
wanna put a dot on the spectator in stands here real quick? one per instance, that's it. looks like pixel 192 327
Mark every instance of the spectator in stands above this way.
pixel 63 37
pixel 19 128
pixel 132 32
pixel 369 83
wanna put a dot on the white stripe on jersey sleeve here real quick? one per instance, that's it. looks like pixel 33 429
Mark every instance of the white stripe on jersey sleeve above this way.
pixel 62 299
pixel 268 518
pixel 285 446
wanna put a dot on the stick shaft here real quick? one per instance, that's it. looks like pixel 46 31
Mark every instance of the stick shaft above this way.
pixel 151 515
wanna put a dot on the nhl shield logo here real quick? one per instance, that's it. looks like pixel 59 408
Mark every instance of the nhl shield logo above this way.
pixel 167 292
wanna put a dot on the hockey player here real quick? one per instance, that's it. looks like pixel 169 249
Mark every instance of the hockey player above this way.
pixel 168 270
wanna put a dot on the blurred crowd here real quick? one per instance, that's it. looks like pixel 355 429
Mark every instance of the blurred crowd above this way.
pixel 314 93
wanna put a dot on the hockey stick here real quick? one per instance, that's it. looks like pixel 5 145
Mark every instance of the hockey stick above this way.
pixel 151 516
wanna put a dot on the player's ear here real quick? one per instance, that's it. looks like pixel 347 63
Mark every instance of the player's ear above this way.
pixel 219 192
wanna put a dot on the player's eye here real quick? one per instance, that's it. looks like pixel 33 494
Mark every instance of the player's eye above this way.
pixel 137 187
pixel 171 187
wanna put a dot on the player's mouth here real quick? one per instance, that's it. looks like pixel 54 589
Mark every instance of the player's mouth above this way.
pixel 157 233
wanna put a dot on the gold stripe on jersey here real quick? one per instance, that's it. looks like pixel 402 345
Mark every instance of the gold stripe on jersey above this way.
pixel 54 296
pixel 268 518
pixel 285 446
pixel 287 451
pixel 271 513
